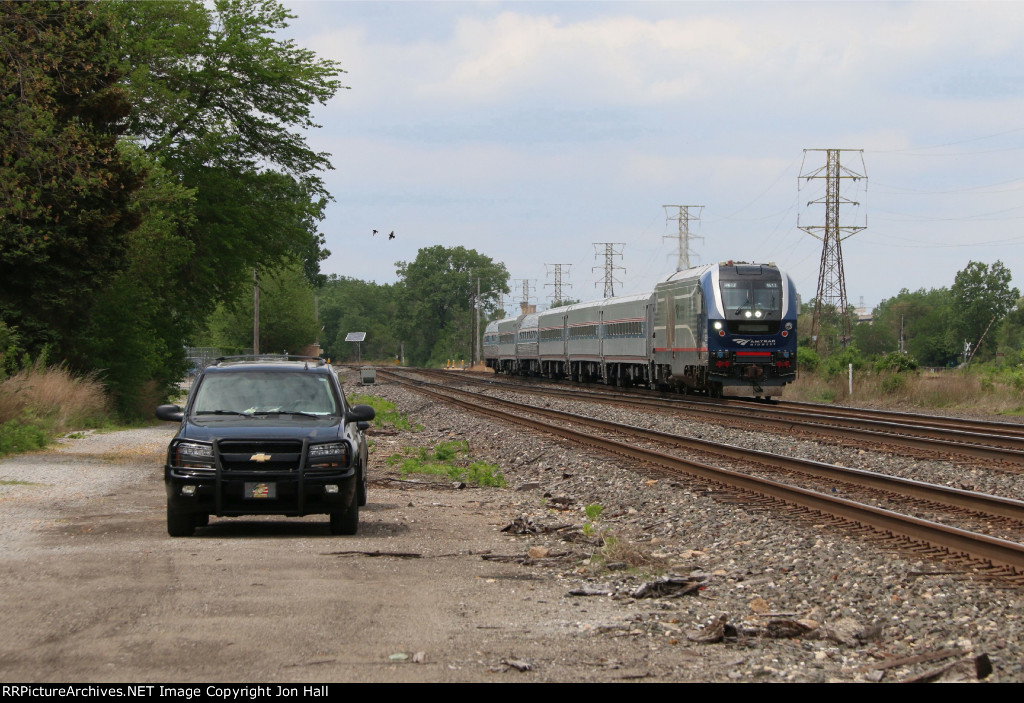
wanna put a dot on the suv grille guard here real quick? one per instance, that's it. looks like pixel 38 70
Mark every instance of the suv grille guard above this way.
pixel 300 498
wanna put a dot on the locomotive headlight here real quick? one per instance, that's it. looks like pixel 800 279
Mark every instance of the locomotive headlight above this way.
pixel 789 325
pixel 717 325
pixel 757 314
pixel 747 314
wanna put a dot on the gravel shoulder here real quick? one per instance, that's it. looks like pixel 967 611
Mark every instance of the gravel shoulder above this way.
pixel 432 589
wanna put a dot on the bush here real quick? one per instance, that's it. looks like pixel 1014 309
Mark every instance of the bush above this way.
pixel 893 383
pixel 895 362
pixel 807 359
pixel 837 364
pixel 23 435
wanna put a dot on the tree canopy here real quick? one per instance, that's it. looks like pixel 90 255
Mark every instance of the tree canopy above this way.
pixel 436 295
pixel 64 187
pixel 153 154
pixel 981 295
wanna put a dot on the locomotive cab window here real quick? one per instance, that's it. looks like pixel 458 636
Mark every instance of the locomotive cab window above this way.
pixel 754 299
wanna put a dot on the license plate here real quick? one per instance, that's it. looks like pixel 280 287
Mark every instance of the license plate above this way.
pixel 260 490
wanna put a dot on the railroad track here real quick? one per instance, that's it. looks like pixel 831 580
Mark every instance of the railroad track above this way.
pixel 1004 556
pixel 993 444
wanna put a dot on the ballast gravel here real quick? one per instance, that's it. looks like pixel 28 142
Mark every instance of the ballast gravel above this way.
pixel 781 597
pixel 584 568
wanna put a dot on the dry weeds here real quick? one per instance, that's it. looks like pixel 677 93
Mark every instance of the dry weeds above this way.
pixel 55 394
pixel 952 390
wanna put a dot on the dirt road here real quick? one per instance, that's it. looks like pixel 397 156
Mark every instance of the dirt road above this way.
pixel 95 590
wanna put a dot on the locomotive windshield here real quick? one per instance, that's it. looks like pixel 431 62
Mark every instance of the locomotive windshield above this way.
pixel 751 293
pixel 756 296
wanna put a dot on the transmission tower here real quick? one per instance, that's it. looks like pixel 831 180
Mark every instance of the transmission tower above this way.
pixel 683 217
pixel 610 252
pixel 831 277
pixel 524 303
pixel 556 296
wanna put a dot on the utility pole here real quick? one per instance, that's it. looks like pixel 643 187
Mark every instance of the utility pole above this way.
pixel 831 277
pixel 476 339
pixel 683 236
pixel 255 312
pixel 610 252
pixel 556 296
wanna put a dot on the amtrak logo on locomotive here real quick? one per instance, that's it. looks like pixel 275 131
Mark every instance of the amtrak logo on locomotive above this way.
pixel 756 342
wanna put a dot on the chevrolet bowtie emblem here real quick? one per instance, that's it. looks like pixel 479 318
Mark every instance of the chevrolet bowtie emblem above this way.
pixel 260 457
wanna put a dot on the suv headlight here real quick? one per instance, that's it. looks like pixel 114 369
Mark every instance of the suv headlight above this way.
pixel 193 455
pixel 329 455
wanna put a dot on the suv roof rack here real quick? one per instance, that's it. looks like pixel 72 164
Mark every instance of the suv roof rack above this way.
pixel 271 357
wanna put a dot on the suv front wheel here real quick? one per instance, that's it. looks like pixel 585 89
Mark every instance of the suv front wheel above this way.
pixel 180 524
pixel 346 522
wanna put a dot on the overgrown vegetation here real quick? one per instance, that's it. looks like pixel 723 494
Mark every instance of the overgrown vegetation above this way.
pixel 386 414
pixel 448 459
pixel 38 403
pixel 961 348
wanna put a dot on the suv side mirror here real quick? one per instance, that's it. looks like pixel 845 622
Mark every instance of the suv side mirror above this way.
pixel 361 413
pixel 171 413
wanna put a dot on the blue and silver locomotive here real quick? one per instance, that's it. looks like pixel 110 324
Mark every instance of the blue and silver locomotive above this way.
pixel 720 329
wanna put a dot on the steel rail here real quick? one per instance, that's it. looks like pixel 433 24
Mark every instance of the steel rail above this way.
pixel 1005 429
pixel 974 445
pixel 955 497
pixel 991 549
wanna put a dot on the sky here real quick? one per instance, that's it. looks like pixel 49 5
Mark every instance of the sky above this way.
pixel 529 131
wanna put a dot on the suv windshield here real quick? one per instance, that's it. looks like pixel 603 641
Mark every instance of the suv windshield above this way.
pixel 253 392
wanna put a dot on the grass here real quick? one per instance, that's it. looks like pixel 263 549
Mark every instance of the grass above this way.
pixel 386 414
pixel 973 391
pixel 39 403
pixel 448 459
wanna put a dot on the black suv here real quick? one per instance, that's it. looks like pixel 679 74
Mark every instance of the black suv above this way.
pixel 266 436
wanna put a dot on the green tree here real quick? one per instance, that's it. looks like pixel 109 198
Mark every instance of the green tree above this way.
pixel 350 305
pixel 436 297
pixel 1010 336
pixel 923 318
pixel 217 84
pixel 137 323
pixel 221 105
pixel 224 102
pixel 981 296
pixel 287 316
pixel 64 187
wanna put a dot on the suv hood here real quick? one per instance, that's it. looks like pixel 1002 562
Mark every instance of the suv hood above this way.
pixel 252 428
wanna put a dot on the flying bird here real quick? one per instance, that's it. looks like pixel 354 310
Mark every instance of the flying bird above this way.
pixel 374 233
pixel 392 235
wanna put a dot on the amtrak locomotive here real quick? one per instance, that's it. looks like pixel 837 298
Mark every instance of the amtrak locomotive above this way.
pixel 720 329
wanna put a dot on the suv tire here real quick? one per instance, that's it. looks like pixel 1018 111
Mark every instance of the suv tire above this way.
pixel 180 524
pixel 346 522
pixel 361 487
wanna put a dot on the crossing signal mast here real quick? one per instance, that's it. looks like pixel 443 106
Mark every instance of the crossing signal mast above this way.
pixel 831 277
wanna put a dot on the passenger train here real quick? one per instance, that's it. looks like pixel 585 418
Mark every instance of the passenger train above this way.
pixel 720 329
